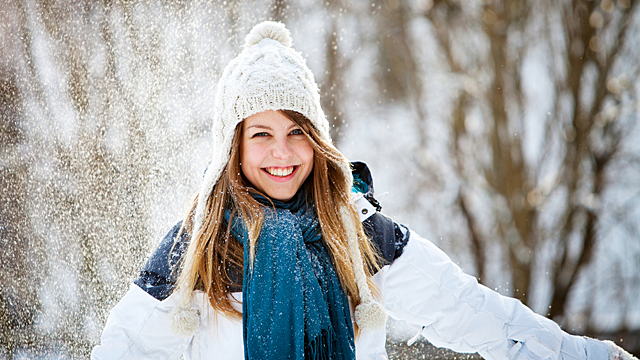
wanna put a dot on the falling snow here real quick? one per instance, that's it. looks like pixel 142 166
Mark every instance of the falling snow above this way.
pixel 105 112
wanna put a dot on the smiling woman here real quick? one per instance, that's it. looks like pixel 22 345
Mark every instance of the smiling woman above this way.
pixel 278 255
pixel 275 153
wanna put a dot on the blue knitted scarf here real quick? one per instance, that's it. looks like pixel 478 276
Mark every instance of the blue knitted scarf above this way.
pixel 293 304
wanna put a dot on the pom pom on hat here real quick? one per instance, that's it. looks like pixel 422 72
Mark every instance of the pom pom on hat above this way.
pixel 268 30
pixel 370 316
pixel 184 321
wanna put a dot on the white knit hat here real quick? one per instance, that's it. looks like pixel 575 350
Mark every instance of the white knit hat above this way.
pixel 269 75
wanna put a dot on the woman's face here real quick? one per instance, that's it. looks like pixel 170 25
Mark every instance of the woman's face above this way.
pixel 276 156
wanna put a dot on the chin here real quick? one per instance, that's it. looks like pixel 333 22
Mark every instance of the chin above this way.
pixel 281 196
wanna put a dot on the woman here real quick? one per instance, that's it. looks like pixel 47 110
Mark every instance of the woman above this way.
pixel 285 239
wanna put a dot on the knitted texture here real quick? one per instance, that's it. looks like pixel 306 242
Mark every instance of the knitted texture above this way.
pixel 369 314
pixel 267 75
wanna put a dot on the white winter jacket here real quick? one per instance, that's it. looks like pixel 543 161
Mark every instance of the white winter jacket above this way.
pixel 422 287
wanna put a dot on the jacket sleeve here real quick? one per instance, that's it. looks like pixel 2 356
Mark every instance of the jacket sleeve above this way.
pixel 138 328
pixel 427 290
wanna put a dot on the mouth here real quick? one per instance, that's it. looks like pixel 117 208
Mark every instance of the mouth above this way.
pixel 281 172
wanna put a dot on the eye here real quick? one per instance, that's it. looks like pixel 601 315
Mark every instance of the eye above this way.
pixel 296 132
pixel 260 134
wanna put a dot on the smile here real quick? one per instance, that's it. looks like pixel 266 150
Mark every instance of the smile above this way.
pixel 280 171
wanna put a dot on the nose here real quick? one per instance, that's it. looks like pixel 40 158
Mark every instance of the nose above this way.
pixel 281 149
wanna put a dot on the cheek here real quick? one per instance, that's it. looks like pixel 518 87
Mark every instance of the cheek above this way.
pixel 309 155
pixel 306 154
pixel 249 154
pixel 303 150
pixel 249 160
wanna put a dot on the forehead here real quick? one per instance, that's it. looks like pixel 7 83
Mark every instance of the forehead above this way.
pixel 268 119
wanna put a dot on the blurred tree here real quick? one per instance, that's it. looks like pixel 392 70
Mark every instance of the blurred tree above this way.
pixel 21 249
pixel 401 81
pixel 551 198
pixel 332 86
pixel 91 132
pixel 20 276
pixel 278 10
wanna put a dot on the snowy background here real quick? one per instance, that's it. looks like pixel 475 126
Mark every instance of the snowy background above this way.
pixel 504 131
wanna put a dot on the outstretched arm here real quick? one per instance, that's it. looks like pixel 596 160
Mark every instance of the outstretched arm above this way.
pixel 426 289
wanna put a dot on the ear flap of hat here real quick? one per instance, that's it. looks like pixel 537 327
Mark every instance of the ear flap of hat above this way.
pixel 369 314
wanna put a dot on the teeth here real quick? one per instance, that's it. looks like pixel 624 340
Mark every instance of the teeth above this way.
pixel 280 172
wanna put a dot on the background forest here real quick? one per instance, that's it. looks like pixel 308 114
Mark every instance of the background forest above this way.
pixel 506 131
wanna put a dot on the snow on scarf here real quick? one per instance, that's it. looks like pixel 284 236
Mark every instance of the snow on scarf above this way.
pixel 293 304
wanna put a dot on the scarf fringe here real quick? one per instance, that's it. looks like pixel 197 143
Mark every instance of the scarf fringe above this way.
pixel 322 347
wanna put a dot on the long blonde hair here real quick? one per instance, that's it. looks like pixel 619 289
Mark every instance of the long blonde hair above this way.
pixel 213 250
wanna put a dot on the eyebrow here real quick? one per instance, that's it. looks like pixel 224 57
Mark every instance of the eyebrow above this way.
pixel 260 126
